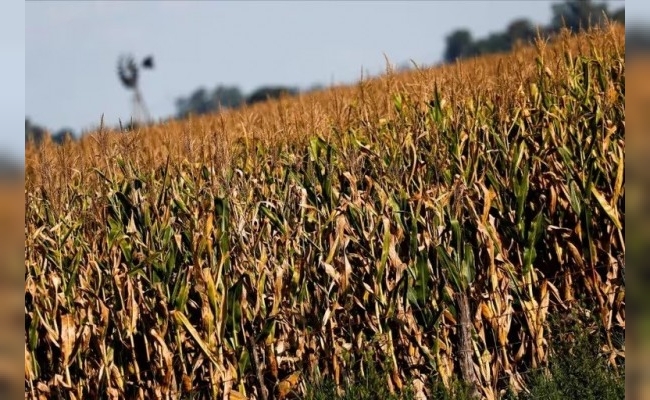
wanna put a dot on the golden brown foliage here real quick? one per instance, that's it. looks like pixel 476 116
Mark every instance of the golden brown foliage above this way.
pixel 221 254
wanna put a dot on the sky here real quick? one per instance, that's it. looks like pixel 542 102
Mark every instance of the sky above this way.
pixel 71 48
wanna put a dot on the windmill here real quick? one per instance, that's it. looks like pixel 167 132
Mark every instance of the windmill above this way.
pixel 128 72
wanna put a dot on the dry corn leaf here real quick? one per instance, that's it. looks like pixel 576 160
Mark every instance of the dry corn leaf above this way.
pixel 287 385
pixel 68 335
pixel 235 395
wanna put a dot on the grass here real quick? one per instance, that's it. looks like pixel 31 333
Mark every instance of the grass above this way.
pixel 576 369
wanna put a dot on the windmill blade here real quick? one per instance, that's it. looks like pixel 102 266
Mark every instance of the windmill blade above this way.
pixel 128 71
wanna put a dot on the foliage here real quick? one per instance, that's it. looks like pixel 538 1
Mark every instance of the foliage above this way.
pixel 459 45
pixel 202 102
pixel 570 14
pixel 242 253
pixel 63 134
pixel 578 14
pixel 269 92
pixel 33 132
pixel 578 369
pixel 36 134
pixel 367 382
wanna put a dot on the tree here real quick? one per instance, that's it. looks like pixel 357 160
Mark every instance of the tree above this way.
pixel 459 45
pixel 269 92
pixel 316 87
pixel 572 14
pixel 224 97
pixel 33 132
pixel 60 136
pixel 202 102
pixel 494 43
pixel 520 30
pixel 198 103
pixel 37 133
pixel 619 15
pixel 577 14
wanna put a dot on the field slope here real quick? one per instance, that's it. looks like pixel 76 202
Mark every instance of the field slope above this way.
pixel 429 221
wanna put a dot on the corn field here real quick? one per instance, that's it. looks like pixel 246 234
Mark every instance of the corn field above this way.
pixel 433 218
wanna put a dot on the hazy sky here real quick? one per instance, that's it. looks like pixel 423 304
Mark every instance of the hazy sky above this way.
pixel 72 48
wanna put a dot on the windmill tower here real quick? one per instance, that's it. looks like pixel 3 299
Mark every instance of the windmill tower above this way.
pixel 128 72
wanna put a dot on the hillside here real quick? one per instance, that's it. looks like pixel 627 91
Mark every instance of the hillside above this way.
pixel 433 221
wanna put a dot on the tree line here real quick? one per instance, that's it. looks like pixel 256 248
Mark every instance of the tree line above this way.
pixel 572 14
pixel 201 101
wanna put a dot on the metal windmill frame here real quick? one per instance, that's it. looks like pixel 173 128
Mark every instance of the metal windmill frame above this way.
pixel 128 73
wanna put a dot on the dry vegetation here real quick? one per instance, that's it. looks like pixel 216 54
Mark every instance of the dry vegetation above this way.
pixel 240 255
